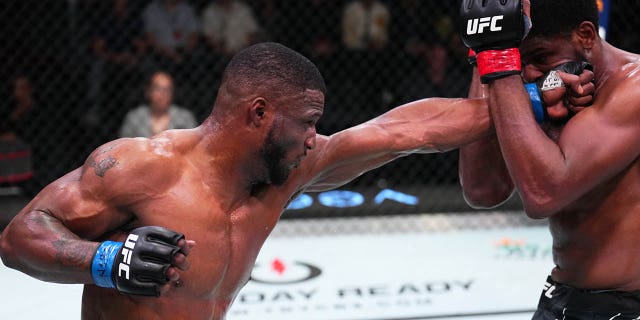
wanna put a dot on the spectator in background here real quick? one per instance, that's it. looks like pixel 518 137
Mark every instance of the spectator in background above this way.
pixel 118 47
pixel 229 26
pixel 171 28
pixel 365 25
pixel 21 139
pixel 429 61
pixel 273 19
pixel 160 114
pixel 21 109
pixel 314 30
pixel 365 36
pixel 319 21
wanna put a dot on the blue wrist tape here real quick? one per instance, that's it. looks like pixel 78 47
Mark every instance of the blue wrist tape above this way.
pixel 536 101
pixel 102 263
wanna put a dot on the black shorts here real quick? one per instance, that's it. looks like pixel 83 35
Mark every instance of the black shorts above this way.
pixel 562 302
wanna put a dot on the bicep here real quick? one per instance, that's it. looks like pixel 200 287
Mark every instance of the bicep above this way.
pixel 346 155
pixel 93 199
pixel 78 206
pixel 599 143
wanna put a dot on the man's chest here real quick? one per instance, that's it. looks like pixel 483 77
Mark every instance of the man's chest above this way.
pixel 227 241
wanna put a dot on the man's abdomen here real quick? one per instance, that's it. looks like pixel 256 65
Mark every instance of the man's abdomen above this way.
pixel 100 303
pixel 595 241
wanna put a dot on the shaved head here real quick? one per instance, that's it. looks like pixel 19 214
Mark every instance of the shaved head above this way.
pixel 271 69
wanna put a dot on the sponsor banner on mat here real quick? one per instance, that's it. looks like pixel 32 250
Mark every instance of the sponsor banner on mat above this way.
pixel 398 276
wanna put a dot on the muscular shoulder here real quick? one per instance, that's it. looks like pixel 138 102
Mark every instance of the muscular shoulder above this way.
pixel 131 167
pixel 621 93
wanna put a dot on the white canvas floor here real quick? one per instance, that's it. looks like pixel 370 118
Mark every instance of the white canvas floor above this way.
pixel 388 268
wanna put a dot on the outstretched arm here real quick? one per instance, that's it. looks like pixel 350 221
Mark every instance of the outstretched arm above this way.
pixel 424 126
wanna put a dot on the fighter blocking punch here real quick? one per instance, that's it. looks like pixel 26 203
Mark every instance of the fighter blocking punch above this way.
pixel 549 83
pixel 139 265
pixel 493 30
pixel 579 173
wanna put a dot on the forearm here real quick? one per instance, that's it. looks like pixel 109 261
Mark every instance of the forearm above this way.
pixel 534 161
pixel 39 245
pixel 434 125
pixel 424 126
pixel 483 174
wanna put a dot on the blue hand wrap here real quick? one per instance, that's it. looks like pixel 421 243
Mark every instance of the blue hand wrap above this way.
pixel 102 263
pixel 536 101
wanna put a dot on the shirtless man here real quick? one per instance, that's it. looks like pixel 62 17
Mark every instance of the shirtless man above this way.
pixel 223 185
pixel 582 174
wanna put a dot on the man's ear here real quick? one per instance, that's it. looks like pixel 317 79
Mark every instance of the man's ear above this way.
pixel 586 34
pixel 258 111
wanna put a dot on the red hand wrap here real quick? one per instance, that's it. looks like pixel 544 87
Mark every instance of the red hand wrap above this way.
pixel 471 58
pixel 494 61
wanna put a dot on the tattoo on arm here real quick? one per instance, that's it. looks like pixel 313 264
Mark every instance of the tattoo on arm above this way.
pixel 66 248
pixel 70 254
pixel 101 167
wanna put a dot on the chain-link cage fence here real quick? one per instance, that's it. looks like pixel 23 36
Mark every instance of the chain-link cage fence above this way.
pixel 79 73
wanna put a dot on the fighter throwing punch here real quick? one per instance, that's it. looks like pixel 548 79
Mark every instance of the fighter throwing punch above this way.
pixel 581 168
pixel 223 185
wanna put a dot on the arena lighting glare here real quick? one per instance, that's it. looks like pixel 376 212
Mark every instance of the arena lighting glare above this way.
pixel 604 6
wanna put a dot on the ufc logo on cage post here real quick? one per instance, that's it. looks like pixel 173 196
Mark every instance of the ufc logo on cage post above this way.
pixel 478 25
pixel 129 244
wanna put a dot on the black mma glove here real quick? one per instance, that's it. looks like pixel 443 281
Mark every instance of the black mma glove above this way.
pixel 494 30
pixel 551 81
pixel 137 266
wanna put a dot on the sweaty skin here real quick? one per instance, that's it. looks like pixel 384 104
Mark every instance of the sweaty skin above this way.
pixel 584 175
pixel 201 182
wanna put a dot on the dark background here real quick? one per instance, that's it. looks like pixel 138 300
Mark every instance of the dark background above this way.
pixel 50 43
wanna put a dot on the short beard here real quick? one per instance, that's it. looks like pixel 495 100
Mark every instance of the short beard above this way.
pixel 273 153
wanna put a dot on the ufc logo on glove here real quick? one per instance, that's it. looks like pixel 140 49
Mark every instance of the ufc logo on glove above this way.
pixel 126 255
pixel 494 30
pixel 475 26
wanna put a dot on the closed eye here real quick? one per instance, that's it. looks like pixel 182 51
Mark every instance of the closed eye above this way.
pixel 311 122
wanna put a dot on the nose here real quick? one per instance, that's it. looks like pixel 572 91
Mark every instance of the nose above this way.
pixel 310 142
